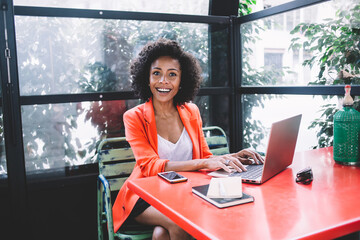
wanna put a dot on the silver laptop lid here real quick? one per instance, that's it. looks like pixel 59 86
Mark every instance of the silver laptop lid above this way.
pixel 281 146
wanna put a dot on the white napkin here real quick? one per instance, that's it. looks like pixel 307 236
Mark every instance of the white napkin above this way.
pixel 230 187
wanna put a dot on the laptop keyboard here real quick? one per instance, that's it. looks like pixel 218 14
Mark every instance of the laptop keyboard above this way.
pixel 253 172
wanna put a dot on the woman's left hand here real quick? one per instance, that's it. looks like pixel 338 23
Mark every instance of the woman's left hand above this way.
pixel 247 156
pixel 237 160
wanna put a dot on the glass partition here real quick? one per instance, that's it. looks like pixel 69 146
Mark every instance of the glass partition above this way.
pixel 3 167
pixel 199 7
pixel 90 55
pixel 71 55
pixel 260 111
pixel 312 45
pixel 80 55
pixel 61 135
pixel 215 111
pixel 265 4
pixel 65 135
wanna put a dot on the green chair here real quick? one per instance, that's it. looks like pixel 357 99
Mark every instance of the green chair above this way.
pixel 216 140
pixel 116 162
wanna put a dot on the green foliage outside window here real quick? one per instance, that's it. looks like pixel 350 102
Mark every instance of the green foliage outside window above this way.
pixel 254 131
pixel 245 7
pixel 71 56
pixel 335 45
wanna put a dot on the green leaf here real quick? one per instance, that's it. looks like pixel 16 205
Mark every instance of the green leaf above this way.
pixel 296 29
pixel 306 44
pixel 321 72
pixel 308 33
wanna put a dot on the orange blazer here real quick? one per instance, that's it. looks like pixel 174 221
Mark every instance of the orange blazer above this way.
pixel 141 133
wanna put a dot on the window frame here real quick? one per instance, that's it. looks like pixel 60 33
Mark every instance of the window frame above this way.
pixel 11 101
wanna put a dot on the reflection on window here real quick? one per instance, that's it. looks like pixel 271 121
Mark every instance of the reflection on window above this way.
pixel 70 55
pixel 309 45
pixel 65 135
pixel 59 135
pixel 260 111
pixel 199 7
pixel 272 3
pixel 273 60
pixel 260 5
pixel 3 168
pixel 214 111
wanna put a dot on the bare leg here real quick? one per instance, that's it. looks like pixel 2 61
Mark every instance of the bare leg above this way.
pixel 165 228
pixel 160 233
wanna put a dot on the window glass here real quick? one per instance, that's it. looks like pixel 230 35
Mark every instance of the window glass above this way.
pixel 71 55
pixel 61 135
pixel 3 168
pixel 260 111
pixel 313 45
pixel 66 135
pixel 265 4
pixel 219 70
pixel 214 111
pixel 199 7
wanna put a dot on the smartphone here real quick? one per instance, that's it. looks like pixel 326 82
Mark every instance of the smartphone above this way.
pixel 172 177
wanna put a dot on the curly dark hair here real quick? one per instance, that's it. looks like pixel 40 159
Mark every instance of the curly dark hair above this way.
pixel 190 70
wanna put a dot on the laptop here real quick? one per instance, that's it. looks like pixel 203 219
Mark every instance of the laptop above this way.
pixel 279 154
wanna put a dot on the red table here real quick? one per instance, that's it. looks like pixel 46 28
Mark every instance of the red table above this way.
pixel 327 208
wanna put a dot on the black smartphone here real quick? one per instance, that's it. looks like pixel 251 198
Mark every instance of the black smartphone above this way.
pixel 172 177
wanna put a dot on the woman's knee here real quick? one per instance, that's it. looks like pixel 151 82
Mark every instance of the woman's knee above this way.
pixel 160 233
pixel 152 216
pixel 177 232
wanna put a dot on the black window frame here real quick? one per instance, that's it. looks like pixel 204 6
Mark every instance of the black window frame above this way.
pixel 11 101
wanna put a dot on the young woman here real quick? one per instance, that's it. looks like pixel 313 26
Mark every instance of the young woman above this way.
pixel 165 133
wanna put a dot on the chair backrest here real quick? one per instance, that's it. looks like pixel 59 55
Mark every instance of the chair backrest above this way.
pixel 116 161
pixel 216 140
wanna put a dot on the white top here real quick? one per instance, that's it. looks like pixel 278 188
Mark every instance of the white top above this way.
pixel 179 151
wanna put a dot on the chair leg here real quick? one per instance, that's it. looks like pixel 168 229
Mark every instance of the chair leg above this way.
pixel 100 211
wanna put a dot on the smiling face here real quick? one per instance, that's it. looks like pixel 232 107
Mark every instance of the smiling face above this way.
pixel 165 77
